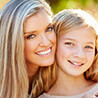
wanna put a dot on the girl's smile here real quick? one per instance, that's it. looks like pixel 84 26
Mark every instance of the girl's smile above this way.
pixel 76 50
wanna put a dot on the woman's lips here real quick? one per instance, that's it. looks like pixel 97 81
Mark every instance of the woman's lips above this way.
pixel 45 52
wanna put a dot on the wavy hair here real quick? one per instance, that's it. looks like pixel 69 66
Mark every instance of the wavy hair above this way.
pixel 70 19
pixel 14 82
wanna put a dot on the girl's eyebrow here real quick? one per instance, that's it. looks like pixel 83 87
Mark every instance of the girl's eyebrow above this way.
pixel 69 39
pixel 91 43
pixel 35 31
pixel 75 40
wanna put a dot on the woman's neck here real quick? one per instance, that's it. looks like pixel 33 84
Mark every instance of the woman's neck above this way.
pixel 69 85
pixel 32 72
pixel 31 69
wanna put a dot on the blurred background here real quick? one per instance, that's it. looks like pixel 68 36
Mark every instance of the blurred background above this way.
pixel 90 6
pixel 57 5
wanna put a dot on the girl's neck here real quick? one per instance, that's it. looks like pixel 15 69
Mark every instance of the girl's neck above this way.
pixel 68 84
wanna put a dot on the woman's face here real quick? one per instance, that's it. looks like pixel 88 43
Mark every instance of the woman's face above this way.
pixel 76 50
pixel 40 40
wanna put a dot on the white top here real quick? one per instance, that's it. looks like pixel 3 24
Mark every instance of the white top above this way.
pixel 91 91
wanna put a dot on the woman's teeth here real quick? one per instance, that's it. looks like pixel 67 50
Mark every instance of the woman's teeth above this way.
pixel 44 52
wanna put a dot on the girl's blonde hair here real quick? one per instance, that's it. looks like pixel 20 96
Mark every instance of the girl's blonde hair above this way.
pixel 70 19
pixel 14 82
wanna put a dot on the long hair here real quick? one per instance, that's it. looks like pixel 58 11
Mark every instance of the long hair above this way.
pixel 70 19
pixel 14 82
pixel 43 80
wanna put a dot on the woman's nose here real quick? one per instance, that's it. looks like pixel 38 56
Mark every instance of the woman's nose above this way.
pixel 44 40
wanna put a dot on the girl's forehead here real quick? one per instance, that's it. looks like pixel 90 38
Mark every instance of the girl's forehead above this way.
pixel 84 34
pixel 80 29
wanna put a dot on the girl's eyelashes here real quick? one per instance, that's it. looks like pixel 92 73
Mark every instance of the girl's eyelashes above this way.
pixel 88 47
pixel 31 36
pixel 49 29
pixel 69 43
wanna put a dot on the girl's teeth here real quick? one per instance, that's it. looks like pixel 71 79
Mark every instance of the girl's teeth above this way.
pixel 76 64
pixel 44 52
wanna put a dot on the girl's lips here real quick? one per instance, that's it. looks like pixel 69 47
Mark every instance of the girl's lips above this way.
pixel 75 64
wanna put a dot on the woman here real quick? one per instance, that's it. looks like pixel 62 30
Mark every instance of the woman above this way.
pixel 76 55
pixel 27 42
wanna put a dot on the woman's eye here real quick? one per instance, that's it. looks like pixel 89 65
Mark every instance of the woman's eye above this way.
pixel 69 44
pixel 49 29
pixel 88 47
pixel 31 36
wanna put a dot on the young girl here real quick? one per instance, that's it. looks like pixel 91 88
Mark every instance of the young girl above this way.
pixel 76 55
pixel 27 49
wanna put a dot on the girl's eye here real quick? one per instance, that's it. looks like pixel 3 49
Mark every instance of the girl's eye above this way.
pixel 49 29
pixel 69 44
pixel 88 47
pixel 31 36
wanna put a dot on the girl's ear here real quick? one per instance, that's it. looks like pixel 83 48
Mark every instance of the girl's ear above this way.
pixel 97 36
pixel 96 51
pixel 96 48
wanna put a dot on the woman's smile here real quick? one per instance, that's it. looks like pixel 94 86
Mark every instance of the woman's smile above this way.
pixel 44 53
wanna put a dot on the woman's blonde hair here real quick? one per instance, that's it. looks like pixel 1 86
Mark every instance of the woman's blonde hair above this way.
pixel 70 19
pixel 14 82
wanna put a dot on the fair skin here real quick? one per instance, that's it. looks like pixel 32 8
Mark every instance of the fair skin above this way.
pixel 40 42
pixel 78 48
pixel 90 96
pixel 75 54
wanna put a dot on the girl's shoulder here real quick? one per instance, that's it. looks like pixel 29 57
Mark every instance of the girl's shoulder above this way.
pixel 93 90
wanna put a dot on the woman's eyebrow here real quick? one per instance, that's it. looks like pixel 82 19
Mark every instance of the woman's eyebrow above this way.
pixel 35 31
pixel 50 24
pixel 29 32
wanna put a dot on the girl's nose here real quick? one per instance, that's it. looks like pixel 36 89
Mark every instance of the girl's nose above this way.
pixel 79 53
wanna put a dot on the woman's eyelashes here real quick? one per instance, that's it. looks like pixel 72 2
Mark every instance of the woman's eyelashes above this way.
pixel 31 36
pixel 50 29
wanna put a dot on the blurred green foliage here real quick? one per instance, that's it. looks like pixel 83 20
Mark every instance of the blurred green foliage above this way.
pixel 88 5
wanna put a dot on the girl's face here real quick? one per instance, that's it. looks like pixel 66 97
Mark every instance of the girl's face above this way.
pixel 76 51
pixel 40 40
